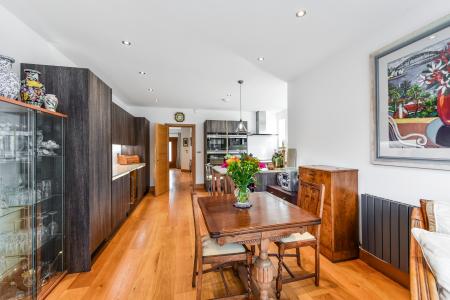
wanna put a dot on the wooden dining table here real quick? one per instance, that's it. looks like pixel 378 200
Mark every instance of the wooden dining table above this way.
pixel 269 219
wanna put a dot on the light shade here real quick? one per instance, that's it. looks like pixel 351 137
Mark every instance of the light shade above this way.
pixel 241 127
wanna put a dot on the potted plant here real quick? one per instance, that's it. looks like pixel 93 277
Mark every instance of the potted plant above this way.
pixel 242 171
pixel 278 159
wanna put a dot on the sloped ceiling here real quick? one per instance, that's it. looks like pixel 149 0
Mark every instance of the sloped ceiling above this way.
pixel 194 51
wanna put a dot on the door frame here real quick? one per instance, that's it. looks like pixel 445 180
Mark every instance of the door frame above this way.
pixel 193 166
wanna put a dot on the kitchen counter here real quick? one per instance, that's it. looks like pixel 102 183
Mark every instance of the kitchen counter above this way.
pixel 264 178
pixel 122 170
pixel 223 171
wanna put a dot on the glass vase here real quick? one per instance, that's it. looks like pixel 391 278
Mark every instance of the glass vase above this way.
pixel 242 195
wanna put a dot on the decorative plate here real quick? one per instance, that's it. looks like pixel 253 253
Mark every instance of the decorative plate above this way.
pixel 179 117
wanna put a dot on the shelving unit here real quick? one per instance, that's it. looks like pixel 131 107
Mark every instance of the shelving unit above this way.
pixel 31 200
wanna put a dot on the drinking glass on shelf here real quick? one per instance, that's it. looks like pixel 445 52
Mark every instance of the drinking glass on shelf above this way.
pixel 46 188
pixel 39 192
pixel 3 203
pixel 42 231
pixel 53 226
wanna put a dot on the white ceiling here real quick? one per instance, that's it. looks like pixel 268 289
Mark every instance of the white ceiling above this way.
pixel 195 50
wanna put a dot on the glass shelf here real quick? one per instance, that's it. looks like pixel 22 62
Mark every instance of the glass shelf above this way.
pixel 20 206
pixel 31 201
pixel 10 210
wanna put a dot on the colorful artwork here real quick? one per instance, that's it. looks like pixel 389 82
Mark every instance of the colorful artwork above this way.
pixel 419 98
pixel 412 99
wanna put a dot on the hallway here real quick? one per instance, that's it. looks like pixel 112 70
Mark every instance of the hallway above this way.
pixel 151 257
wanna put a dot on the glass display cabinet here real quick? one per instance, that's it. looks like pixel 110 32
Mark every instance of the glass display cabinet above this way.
pixel 31 200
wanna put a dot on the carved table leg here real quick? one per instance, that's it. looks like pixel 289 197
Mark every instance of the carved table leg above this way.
pixel 263 270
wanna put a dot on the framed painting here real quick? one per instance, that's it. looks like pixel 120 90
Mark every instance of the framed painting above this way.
pixel 411 100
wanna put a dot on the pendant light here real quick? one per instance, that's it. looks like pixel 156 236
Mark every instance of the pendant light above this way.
pixel 241 127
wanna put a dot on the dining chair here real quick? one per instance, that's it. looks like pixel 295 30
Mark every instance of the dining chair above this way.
pixel 310 198
pixel 208 177
pixel 217 186
pixel 209 252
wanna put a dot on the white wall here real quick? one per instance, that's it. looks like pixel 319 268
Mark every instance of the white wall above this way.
pixel 25 45
pixel 329 116
pixel 186 152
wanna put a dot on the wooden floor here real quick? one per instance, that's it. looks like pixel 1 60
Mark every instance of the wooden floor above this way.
pixel 151 257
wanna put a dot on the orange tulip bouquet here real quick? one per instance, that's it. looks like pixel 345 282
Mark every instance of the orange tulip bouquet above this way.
pixel 242 171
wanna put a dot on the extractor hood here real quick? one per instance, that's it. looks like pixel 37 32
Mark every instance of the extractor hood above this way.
pixel 261 124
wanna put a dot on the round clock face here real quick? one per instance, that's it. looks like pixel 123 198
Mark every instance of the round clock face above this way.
pixel 179 117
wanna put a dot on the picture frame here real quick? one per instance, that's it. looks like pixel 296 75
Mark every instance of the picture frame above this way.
pixel 185 142
pixel 410 127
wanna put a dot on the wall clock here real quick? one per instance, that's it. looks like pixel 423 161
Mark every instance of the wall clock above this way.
pixel 179 117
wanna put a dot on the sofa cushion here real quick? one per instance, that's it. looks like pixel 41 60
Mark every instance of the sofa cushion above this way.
pixel 435 248
pixel 438 216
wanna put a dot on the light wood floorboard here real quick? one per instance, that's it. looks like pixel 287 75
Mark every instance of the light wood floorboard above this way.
pixel 151 257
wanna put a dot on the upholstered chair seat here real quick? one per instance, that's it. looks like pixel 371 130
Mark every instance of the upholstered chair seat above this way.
pixel 212 248
pixel 297 237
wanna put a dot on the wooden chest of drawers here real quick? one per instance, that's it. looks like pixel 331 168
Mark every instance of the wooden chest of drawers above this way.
pixel 339 232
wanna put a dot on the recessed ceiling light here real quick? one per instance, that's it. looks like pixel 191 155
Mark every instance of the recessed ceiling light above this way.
pixel 432 37
pixel 260 58
pixel 126 43
pixel 150 90
pixel 301 13
pixel 225 100
pixel 142 73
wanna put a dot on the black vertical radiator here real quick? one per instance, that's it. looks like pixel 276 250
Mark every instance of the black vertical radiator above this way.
pixel 385 229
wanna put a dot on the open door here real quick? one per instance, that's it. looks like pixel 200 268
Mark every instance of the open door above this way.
pixel 161 177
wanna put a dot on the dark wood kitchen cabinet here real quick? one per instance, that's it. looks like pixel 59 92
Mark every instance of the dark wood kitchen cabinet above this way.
pixel 120 200
pixel 123 126
pixel 232 126
pixel 222 126
pixel 142 136
pixel 87 100
pixel 216 127
pixel 141 184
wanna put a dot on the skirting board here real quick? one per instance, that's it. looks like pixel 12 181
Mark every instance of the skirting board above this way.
pixel 199 187
pixel 385 268
pixel 186 170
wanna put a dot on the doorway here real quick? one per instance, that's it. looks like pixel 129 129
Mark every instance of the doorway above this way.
pixel 181 154
pixel 174 172
pixel 174 162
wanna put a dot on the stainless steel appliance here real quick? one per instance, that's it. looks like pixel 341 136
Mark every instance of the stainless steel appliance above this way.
pixel 216 142
pixel 288 180
pixel 237 143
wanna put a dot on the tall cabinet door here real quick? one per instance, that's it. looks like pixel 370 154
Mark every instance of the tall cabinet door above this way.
pixel 126 200
pixel 99 160
pixel 115 124
pixel 116 202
